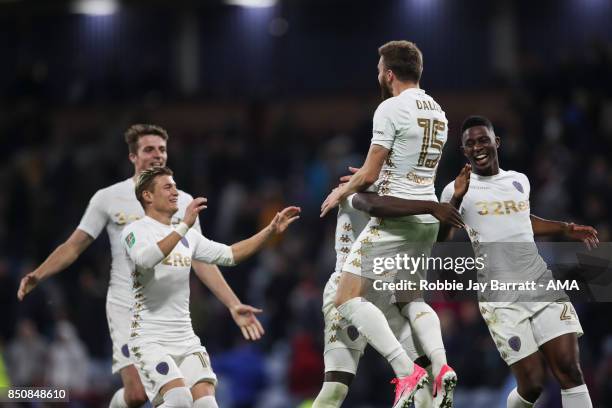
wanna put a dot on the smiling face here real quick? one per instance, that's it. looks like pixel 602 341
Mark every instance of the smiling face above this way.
pixel 150 152
pixel 163 197
pixel 479 145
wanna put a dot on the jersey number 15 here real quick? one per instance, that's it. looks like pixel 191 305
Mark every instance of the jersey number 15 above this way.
pixel 431 128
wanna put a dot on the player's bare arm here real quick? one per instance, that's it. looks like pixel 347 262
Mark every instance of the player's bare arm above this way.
pixel 461 186
pixel 244 249
pixel 390 207
pixel 361 180
pixel 584 233
pixel 243 315
pixel 61 258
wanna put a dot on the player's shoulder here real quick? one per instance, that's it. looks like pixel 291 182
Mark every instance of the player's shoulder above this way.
pixel 450 185
pixel 183 200
pixel 185 196
pixel 517 175
pixel 387 105
pixel 131 233
pixel 136 225
pixel 135 229
pixel 447 191
pixel 117 188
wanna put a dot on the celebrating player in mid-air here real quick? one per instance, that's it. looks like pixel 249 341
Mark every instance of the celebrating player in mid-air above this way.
pixel 113 208
pixel 344 345
pixel 409 132
pixel 173 365
pixel 494 204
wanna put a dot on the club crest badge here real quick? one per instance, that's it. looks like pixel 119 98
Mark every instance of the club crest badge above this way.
pixel 515 343
pixel 352 332
pixel 518 186
pixel 162 368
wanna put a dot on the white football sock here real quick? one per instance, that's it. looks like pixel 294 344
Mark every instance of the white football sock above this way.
pixel 208 401
pixel 426 327
pixel 371 322
pixel 332 395
pixel 118 400
pixel 179 397
pixel 577 397
pixel 516 401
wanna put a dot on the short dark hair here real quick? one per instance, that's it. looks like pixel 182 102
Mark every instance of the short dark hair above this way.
pixel 476 120
pixel 403 58
pixel 146 180
pixel 135 132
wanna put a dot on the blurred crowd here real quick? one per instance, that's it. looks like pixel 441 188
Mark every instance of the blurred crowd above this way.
pixel 248 170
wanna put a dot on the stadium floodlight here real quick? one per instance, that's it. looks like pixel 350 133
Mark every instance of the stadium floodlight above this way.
pixel 252 3
pixel 95 7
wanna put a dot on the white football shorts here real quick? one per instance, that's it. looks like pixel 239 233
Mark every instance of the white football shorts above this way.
pixel 520 328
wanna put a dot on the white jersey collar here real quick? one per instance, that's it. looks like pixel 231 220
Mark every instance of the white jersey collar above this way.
pixel 413 90
pixel 489 178
pixel 154 221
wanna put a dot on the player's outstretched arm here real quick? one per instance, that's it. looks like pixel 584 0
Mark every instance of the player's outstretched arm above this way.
pixel 362 179
pixel 244 249
pixel 243 315
pixel 584 233
pixel 61 258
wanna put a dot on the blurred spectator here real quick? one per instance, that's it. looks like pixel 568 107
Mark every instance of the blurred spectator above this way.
pixel 244 368
pixel 306 367
pixel 26 355
pixel 68 361
pixel 8 300
pixel 91 298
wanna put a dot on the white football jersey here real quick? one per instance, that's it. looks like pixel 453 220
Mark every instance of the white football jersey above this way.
pixel 414 128
pixel 161 293
pixel 495 208
pixel 114 207
pixel 497 217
